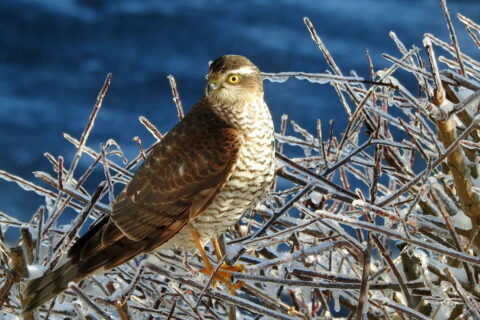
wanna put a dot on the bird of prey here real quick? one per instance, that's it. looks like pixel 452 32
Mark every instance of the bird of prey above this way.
pixel 214 165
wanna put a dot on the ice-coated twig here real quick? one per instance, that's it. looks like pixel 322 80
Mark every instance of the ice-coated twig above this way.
pixel 409 67
pixel 414 139
pixel 391 264
pixel 281 211
pixel 451 229
pixel 321 46
pixel 471 100
pixel 403 50
pixel 454 64
pixel 67 238
pixel 460 80
pixel 88 128
pixel 279 145
pixel 225 297
pixel 340 192
pixel 40 214
pixel 334 284
pixel 78 184
pixel 140 147
pixel 60 172
pixel 465 20
pixel 344 102
pixel 469 301
pixel 108 177
pixel 453 35
pixel 27 185
pixel 209 282
pixel 363 102
pixel 176 96
pixel 71 192
pixel 347 158
pixel 439 94
pixel 27 244
pixel 321 78
pixel 151 128
pixel 439 160
pixel 469 25
pixel 133 284
pixel 399 307
pixel 73 286
pixel 362 297
pixel 94 155
pixel 298 254
pixel 393 234
pixel 469 60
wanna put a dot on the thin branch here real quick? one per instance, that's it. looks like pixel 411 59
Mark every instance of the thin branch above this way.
pixel 176 96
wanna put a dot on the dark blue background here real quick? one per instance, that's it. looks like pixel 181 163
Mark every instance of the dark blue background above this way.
pixel 55 54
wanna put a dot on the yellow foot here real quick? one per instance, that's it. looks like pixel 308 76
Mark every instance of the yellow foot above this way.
pixel 223 274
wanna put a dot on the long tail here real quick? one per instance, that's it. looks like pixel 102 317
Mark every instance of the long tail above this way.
pixel 103 246
pixel 38 291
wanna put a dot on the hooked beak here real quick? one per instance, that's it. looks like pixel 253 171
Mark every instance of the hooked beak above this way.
pixel 211 85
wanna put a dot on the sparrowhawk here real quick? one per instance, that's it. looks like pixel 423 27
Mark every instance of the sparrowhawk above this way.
pixel 214 165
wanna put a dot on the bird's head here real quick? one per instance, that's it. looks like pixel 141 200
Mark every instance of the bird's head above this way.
pixel 233 78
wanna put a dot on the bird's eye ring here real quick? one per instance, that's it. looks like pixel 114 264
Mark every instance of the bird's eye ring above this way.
pixel 233 79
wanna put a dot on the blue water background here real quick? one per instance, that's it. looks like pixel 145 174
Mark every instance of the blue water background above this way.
pixel 55 55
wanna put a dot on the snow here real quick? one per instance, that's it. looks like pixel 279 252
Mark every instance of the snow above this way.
pixel 9 316
pixel 35 270
pixel 461 220
pixel 316 197
pixel 233 250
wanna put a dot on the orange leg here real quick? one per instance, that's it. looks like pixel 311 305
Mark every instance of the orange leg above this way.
pixel 218 252
pixel 222 274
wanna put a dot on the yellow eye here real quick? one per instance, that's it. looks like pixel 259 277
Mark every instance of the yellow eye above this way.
pixel 233 79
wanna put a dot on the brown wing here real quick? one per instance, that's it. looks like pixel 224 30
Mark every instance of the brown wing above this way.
pixel 177 181
pixel 180 177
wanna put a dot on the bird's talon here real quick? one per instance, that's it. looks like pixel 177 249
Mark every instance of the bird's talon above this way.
pixel 234 287
pixel 235 268
pixel 293 311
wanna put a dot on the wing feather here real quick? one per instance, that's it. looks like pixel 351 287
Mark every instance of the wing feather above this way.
pixel 180 177
pixel 177 181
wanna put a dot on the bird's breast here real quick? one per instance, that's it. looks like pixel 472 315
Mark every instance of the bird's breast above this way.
pixel 248 184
